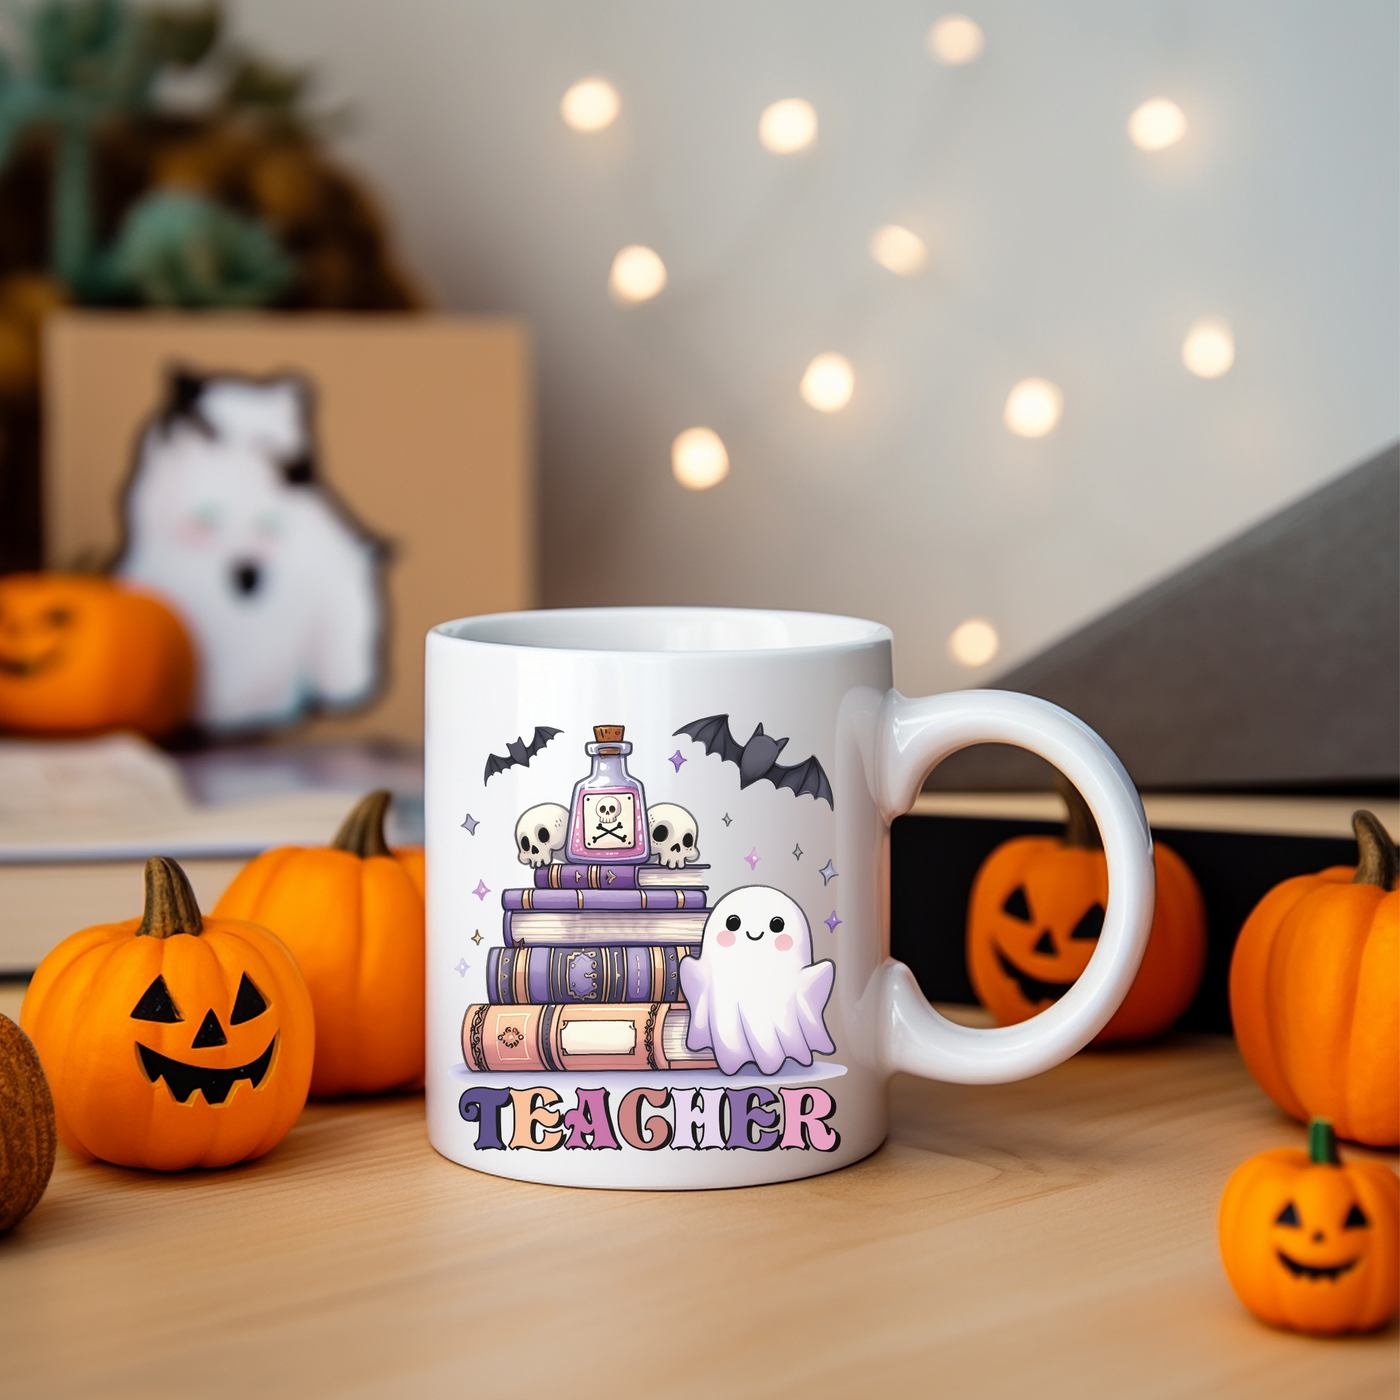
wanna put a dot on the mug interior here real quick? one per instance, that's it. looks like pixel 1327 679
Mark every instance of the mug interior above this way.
pixel 666 630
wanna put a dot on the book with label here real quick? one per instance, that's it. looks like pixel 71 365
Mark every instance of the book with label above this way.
pixel 668 927
pixel 579 1038
pixel 568 875
pixel 586 973
pixel 556 900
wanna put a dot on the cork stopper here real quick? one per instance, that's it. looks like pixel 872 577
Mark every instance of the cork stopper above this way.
pixel 608 733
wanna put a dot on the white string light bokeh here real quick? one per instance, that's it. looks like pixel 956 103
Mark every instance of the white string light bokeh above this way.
pixel 1053 247
pixel 1033 407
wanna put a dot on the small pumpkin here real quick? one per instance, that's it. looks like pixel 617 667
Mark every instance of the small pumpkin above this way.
pixel 172 1040
pixel 353 915
pixel 81 653
pixel 27 1132
pixel 1314 994
pixel 1310 1244
pixel 1034 919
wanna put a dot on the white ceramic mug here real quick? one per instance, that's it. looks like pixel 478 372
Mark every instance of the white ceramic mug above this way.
pixel 658 906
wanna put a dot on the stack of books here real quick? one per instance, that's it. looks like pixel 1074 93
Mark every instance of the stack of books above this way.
pixel 589 974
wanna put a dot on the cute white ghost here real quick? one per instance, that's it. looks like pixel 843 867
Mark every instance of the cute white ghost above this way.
pixel 754 992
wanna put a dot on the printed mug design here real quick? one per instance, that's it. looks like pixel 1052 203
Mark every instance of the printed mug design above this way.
pixel 613 960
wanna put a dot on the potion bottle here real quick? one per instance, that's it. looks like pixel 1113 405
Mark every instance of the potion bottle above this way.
pixel 608 816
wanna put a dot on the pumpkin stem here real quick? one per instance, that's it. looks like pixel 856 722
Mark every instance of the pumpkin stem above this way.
pixel 1080 828
pixel 1378 863
pixel 362 832
pixel 1322 1143
pixel 171 907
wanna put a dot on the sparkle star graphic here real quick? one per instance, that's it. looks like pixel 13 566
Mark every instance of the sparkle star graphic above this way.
pixel 828 872
pixel 832 921
pixel 727 819
pixel 677 760
pixel 471 824
pixel 476 938
pixel 753 857
pixel 481 890
pixel 797 852
pixel 461 968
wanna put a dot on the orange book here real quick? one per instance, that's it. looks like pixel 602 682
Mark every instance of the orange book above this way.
pixel 579 1037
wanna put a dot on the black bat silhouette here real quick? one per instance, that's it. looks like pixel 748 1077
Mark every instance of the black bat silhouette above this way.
pixel 519 751
pixel 756 760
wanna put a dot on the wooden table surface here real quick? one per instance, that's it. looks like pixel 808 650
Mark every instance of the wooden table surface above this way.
pixel 1044 1239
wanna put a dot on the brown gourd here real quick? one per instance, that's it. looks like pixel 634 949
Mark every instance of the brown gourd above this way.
pixel 27 1132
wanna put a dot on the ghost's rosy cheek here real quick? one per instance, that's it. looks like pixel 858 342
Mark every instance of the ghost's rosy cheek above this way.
pixel 783 942
pixel 724 938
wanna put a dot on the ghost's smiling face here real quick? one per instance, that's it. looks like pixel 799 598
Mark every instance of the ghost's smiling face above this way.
pixel 754 992
pixel 735 928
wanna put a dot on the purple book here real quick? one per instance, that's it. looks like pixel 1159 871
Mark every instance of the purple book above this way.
pixel 604 899
pixel 668 927
pixel 567 875
pixel 584 973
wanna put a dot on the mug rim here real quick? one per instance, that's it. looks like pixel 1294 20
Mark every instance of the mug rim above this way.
pixel 845 633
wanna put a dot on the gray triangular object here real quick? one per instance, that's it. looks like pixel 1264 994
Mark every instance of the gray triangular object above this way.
pixel 1272 663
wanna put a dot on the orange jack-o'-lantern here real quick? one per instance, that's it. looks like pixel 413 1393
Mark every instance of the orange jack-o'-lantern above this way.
pixel 82 653
pixel 172 1040
pixel 1034 919
pixel 352 913
pixel 1310 1244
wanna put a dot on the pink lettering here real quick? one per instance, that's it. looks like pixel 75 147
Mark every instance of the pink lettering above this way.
pixel 652 1132
pixel 590 1120
pixel 804 1114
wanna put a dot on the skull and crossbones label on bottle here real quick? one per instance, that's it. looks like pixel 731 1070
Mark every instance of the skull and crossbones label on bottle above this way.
pixel 607 818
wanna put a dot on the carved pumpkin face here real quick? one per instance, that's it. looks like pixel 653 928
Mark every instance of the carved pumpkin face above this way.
pixel 190 1047
pixel 81 653
pixel 208 1056
pixel 1310 1244
pixel 1038 920
pixel 1034 919
pixel 1321 1232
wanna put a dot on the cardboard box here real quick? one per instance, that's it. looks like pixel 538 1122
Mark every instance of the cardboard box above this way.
pixel 425 427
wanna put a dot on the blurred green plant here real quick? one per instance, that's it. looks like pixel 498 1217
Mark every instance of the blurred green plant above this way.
pixel 183 249
pixel 87 62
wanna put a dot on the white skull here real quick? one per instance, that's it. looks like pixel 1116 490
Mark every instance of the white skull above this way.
pixel 540 833
pixel 674 835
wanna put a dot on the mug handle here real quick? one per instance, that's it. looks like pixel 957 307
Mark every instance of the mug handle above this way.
pixel 914 736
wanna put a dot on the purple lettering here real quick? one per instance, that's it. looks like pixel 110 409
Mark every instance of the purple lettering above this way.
pixel 483 1106
pixel 752 1108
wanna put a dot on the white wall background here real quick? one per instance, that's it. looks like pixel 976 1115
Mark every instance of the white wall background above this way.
pixel 1057 250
